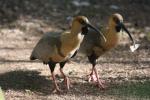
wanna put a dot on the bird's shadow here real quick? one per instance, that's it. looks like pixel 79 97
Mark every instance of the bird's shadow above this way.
pixel 25 80
pixel 34 82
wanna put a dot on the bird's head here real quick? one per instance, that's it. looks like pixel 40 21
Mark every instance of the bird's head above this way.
pixel 82 23
pixel 116 22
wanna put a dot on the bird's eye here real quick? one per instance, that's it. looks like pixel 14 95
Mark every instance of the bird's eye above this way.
pixel 82 21
pixel 116 20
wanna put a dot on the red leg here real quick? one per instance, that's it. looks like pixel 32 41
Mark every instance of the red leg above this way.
pixel 66 79
pixel 52 67
pixel 99 81
pixel 94 75
pixel 55 84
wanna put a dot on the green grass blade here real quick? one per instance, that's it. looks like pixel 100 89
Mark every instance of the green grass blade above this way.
pixel 1 94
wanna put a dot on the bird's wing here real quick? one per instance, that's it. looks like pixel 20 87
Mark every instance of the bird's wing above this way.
pixel 90 40
pixel 47 46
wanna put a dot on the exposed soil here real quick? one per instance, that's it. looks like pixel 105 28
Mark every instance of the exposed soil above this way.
pixel 22 23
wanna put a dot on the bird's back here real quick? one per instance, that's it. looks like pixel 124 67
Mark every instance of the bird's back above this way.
pixel 46 47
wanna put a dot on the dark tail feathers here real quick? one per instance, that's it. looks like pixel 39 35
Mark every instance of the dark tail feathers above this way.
pixel 32 58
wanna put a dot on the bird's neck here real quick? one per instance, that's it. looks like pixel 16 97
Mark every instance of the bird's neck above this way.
pixel 112 38
pixel 75 29
pixel 72 40
pixel 111 31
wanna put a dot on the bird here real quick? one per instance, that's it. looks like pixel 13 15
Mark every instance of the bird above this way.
pixel 93 46
pixel 57 47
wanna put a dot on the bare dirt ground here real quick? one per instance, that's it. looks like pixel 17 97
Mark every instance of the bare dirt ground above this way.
pixel 127 74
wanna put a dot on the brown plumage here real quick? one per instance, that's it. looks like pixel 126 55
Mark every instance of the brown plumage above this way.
pixel 93 46
pixel 55 48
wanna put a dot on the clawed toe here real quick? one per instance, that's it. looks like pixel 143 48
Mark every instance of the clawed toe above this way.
pixel 67 83
pixel 57 90
pixel 99 82
pixel 92 78
pixel 101 85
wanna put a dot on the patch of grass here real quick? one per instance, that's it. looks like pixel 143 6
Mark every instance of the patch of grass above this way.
pixel 148 36
pixel 131 90
pixel 1 94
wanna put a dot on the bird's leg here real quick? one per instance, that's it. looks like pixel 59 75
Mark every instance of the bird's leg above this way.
pixel 55 83
pixel 94 74
pixel 92 59
pixel 52 67
pixel 99 81
pixel 66 79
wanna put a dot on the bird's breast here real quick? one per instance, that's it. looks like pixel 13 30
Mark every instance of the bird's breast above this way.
pixel 112 41
pixel 69 47
pixel 57 58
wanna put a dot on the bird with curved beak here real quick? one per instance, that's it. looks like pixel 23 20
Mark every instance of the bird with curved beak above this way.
pixel 55 48
pixel 93 46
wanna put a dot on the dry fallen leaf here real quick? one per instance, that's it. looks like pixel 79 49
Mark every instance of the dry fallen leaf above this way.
pixel 134 47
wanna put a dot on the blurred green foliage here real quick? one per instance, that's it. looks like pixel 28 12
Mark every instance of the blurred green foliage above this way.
pixel 148 36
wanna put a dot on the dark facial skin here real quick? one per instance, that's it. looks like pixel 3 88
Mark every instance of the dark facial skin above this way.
pixel 87 25
pixel 84 30
pixel 118 28
pixel 118 24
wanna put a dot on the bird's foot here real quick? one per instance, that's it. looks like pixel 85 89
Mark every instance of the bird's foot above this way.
pixel 99 82
pixel 57 90
pixel 92 78
pixel 67 82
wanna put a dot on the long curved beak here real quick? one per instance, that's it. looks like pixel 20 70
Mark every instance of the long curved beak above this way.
pixel 125 29
pixel 100 33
